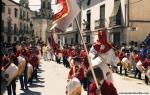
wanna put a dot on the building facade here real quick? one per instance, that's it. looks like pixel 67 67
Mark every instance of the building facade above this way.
pixel 100 14
pixel 42 21
pixel 16 22
pixel 126 20
pixel 138 20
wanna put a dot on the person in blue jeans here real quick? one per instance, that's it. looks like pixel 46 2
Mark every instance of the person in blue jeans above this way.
pixel 11 88
pixel 23 79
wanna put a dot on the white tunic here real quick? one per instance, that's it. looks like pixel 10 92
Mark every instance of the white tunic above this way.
pixel 102 60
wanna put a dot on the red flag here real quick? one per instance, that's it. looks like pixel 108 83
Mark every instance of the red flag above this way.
pixel 63 9
pixel 65 21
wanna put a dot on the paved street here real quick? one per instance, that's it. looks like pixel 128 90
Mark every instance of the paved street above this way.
pixel 52 81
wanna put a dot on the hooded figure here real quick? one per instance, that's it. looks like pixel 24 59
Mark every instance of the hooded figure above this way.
pixel 102 54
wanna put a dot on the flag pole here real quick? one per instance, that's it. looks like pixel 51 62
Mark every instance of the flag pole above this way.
pixel 93 73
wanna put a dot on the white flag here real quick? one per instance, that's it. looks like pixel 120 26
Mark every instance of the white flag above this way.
pixel 74 10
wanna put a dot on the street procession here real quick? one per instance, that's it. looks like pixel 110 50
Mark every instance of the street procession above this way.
pixel 75 47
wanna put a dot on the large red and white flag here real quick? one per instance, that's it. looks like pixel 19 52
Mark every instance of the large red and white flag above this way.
pixel 64 21
pixel 60 9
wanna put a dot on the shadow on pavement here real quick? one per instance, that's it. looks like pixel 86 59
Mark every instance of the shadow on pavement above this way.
pixel 40 71
pixel 41 78
pixel 36 85
pixel 38 81
pixel 29 92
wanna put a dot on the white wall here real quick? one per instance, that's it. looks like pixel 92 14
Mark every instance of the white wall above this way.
pixel 95 12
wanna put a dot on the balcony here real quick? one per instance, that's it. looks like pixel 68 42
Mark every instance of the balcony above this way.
pixel 115 21
pixel 99 23
pixel 86 27
pixel 28 19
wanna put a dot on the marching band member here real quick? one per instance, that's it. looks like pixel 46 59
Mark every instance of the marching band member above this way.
pixel 11 87
pixel 85 66
pixel 106 86
pixel 76 71
pixel 146 64
pixel 71 54
pixel 65 56
pixel 58 55
pixel 34 62
pixel 136 59
pixel 121 56
pixel 44 50
pixel 23 76
pixel 37 53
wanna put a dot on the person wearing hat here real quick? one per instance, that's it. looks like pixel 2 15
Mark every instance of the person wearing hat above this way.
pixel 103 50
pixel 105 86
pixel 23 76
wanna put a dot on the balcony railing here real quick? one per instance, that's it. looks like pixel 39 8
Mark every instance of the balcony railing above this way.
pixel 114 21
pixel 99 23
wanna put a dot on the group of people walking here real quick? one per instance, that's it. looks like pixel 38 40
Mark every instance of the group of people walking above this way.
pixel 105 59
pixel 132 59
pixel 19 62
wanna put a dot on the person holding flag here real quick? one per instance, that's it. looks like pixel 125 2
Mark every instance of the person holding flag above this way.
pixel 65 19
pixel 102 54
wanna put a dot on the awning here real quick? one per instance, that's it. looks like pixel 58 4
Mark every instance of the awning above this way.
pixel 116 8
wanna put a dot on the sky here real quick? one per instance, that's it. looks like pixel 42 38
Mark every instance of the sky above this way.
pixel 33 4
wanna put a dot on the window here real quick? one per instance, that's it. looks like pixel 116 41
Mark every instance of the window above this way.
pixel 88 2
pixel 71 40
pixel 9 10
pixel 24 28
pixel 102 16
pixel 24 14
pixel 88 20
pixel 20 26
pixel 49 5
pixel 65 40
pixel 2 38
pixel 8 39
pixel 9 26
pixel 43 4
pixel 116 16
pixel 27 16
pixel 16 12
pixel 15 28
pixel 2 25
pixel 119 16
pixel 27 28
pixel 88 39
pixel 15 38
pixel 20 13
pixel 76 37
pixel 3 7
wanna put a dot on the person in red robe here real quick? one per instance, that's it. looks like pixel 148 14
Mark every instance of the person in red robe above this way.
pixel 136 59
pixel 105 86
pixel 58 57
pixel 85 65
pixel 77 70
pixel 65 56
pixel 121 56
pixel 34 62
pixel 146 65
